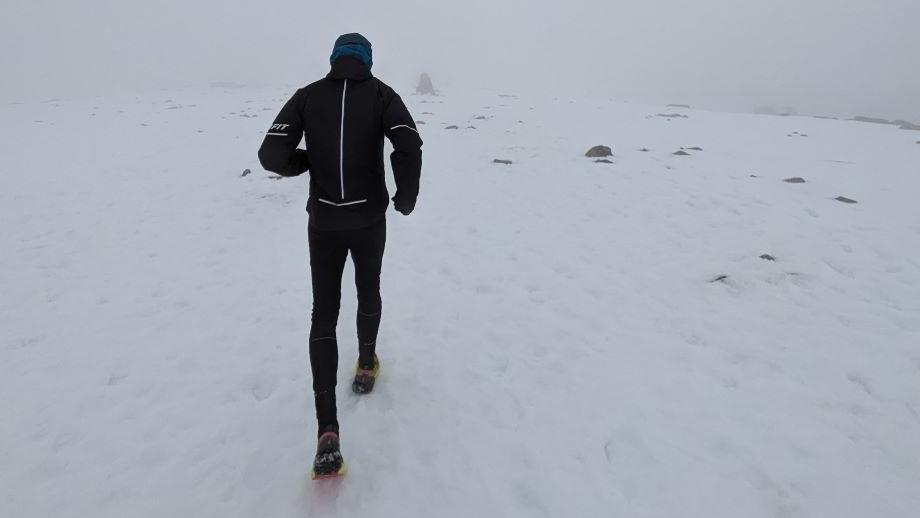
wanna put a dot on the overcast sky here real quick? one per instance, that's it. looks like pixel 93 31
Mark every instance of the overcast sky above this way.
pixel 827 56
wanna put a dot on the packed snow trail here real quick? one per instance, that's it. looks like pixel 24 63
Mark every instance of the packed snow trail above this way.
pixel 554 340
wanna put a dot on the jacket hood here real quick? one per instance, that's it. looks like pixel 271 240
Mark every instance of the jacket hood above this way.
pixel 353 44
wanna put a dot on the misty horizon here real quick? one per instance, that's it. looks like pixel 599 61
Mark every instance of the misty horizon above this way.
pixel 841 58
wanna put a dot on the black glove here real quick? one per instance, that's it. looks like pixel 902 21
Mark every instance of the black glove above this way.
pixel 403 207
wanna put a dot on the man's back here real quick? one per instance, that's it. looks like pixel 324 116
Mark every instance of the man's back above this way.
pixel 344 118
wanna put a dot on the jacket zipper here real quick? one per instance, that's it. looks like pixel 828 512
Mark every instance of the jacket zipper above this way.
pixel 342 143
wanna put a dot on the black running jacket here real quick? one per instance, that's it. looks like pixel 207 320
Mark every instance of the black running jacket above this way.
pixel 343 119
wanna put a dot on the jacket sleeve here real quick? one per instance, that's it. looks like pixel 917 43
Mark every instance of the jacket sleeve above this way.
pixel 279 152
pixel 406 159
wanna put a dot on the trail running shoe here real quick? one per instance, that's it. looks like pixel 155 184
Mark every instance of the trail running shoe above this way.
pixel 365 377
pixel 328 462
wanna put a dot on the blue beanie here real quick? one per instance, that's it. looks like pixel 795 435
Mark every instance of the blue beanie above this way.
pixel 352 44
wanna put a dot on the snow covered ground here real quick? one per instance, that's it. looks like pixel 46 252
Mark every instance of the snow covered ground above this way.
pixel 554 341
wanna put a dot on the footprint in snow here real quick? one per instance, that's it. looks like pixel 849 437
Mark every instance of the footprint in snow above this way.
pixel 263 387
pixel 860 381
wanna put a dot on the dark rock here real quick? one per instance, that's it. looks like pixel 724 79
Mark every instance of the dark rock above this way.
pixel 471 127
pixel 603 161
pixel 680 152
pixel 451 127
pixel 844 199
pixel 719 278
pixel 767 257
pixel 500 161
pixel 672 115
pixel 425 86
pixel 873 120
pixel 678 106
pixel 246 172
pixel 645 149
pixel 695 148
pixel 795 179
pixel 481 118
pixel 599 152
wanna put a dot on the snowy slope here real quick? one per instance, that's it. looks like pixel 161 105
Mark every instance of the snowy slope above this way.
pixel 553 342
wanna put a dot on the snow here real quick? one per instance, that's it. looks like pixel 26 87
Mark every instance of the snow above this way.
pixel 553 341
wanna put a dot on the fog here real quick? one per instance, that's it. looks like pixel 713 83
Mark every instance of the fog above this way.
pixel 841 57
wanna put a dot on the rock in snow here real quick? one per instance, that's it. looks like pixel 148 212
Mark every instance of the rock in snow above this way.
pixel 844 199
pixel 599 152
pixel 871 120
pixel 501 161
pixel 795 179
